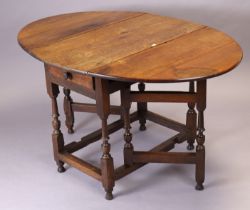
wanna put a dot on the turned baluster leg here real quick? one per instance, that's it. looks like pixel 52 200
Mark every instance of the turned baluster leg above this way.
pixel 191 121
pixel 128 147
pixel 142 109
pixel 200 148
pixel 103 110
pixel 57 136
pixel 107 165
pixel 69 114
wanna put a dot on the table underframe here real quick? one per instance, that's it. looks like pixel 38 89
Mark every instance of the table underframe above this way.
pixel 133 160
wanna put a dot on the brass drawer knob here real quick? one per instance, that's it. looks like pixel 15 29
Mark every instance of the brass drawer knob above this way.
pixel 67 75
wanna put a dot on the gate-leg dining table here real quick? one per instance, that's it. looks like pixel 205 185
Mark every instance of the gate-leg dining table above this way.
pixel 98 53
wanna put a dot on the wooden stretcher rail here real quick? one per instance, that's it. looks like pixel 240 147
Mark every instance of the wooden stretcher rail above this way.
pixel 81 165
pixel 85 107
pixel 96 135
pixel 164 157
pixel 165 146
pixel 163 96
pixel 156 118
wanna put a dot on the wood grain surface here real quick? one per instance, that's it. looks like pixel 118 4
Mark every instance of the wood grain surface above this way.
pixel 131 46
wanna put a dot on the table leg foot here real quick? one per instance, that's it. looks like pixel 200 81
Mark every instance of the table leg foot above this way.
pixel 142 127
pixel 61 169
pixel 109 195
pixel 190 147
pixel 199 187
pixel 70 130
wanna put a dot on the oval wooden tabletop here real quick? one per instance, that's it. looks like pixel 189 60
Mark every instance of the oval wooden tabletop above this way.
pixel 131 46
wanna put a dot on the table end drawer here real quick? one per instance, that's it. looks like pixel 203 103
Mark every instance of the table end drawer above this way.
pixel 69 78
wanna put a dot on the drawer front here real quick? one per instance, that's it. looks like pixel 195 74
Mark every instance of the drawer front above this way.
pixel 70 79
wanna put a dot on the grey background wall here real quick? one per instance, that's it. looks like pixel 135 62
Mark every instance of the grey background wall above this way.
pixel 28 177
